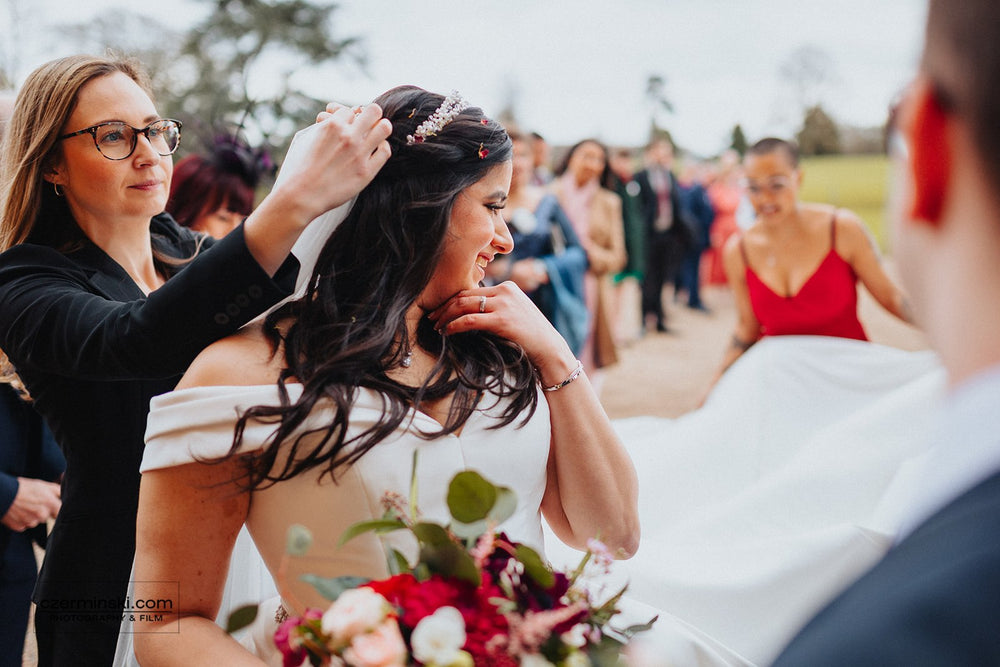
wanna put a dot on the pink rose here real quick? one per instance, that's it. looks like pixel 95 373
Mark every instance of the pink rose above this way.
pixel 356 611
pixel 382 647
pixel 287 641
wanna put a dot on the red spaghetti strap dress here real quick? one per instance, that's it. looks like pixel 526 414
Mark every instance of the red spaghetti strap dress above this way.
pixel 826 305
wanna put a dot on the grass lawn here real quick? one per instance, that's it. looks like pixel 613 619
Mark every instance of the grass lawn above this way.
pixel 855 182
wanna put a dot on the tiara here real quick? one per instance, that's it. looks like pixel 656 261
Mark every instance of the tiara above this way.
pixel 444 114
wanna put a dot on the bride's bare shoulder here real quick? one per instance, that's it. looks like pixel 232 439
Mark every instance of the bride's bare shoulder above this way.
pixel 245 358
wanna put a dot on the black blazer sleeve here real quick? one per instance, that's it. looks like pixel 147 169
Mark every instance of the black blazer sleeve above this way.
pixel 67 318
pixel 51 463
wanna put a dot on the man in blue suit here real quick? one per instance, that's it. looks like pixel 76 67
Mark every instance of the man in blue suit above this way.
pixel 668 232
pixel 700 216
pixel 935 598
pixel 30 462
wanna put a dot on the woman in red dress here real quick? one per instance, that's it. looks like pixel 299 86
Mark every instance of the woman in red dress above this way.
pixel 795 270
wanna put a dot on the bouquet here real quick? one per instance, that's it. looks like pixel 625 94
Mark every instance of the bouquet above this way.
pixel 473 598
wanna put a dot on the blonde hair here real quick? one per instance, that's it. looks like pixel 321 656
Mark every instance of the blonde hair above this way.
pixel 8 375
pixel 44 104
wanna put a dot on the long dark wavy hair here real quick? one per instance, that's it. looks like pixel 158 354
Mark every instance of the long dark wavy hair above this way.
pixel 349 329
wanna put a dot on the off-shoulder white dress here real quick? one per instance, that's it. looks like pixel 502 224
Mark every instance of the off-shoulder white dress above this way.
pixel 198 423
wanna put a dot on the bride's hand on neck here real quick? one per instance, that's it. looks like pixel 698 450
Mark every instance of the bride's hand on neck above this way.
pixel 509 313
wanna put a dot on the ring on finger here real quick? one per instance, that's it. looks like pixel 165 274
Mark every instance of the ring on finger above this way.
pixel 482 304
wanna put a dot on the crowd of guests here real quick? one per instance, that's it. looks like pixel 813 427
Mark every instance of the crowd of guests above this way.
pixel 651 235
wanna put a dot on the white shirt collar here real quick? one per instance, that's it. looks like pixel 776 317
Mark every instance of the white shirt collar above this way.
pixel 966 447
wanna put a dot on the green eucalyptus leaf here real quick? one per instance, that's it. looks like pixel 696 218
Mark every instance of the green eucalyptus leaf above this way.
pixel 535 566
pixel 298 539
pixel 470 497
pixel 607 653
pixel 432 533
pixel 241 618
pixel 414 510
pixel 609 608
pixel 376 525
pixel 469 531
pixel 331 587
pixel 421 572
pixel 450 560
pixel 633 630
pixel 397 562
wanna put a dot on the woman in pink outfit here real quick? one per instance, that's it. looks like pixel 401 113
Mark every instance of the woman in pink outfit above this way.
pixel 724 192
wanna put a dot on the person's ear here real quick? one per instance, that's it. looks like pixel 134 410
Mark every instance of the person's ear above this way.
pixel 925 128
pixel 51 170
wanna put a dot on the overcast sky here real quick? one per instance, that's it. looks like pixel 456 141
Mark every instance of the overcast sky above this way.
pixel 578 68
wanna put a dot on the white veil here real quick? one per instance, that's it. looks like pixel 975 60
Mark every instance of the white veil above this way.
pixel 249 581
pixel 311 241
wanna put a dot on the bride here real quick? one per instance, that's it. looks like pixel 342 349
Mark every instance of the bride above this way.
pixel 394 347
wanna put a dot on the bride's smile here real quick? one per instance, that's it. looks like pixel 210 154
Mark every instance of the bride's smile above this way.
pixel 476 234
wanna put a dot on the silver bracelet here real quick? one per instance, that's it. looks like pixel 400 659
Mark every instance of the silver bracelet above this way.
pixel 572 376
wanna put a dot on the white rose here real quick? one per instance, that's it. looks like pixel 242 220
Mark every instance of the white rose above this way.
pixel 576 636
pixel 535 660
pixel 438 639
pixel 356 611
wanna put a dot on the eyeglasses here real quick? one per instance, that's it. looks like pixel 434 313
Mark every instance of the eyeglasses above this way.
pixel 774 187
pixel 117 141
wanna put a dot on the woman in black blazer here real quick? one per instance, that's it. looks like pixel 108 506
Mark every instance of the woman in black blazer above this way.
pixel 104 301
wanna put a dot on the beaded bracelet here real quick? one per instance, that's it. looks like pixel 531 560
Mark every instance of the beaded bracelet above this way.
pixel 572 376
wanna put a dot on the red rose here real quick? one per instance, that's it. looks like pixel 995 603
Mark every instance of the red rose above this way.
pixel 395 588
pixel 483 622
pixel 418 599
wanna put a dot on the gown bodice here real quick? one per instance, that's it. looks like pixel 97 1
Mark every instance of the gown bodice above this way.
pixel 198 423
